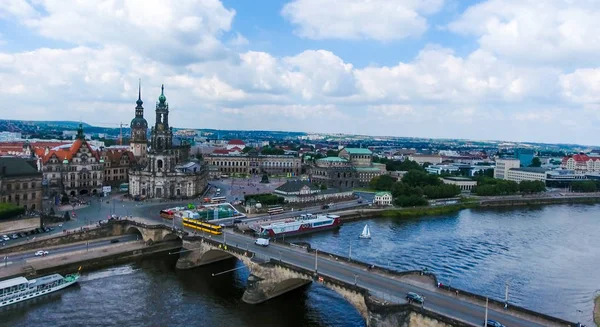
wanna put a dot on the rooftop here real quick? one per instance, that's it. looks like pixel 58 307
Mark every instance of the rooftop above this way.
pixel 367 169
pixel 358 151
pixel 333 159
pixel 382 193
pixel 295 186
pixel 456 178
pixel 531 169
pixel 16 167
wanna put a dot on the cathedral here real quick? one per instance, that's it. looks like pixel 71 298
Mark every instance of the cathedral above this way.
pixel 165 171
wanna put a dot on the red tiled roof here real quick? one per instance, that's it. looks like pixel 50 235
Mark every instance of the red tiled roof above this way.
pixel 235 148
pixel 221 151
pixel 236 142
pixel 579 158
pixel 67 153
pixel 114 156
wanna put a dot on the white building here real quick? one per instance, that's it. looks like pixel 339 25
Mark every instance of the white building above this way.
pixel 526 174
pixel 581 163
pixel 439 169
pixel 465 184
pixel 504 165
pixel 383 198
pixel 425 158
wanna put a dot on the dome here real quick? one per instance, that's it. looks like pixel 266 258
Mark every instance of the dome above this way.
pixel 162 98
pixel 139 122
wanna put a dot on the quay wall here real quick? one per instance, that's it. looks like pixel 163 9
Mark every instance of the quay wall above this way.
pixel 19 225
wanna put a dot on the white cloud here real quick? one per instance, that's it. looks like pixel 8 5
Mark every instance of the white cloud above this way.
pixel 18 9
pixel 174 32
pixel 582 86
pixel 534 31
pixel 381 20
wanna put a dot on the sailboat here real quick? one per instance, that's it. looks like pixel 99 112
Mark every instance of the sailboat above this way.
pixel 366 233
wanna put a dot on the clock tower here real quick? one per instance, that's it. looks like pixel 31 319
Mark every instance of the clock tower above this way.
pixel 139 130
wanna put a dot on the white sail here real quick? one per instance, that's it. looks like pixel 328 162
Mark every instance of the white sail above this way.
pixel 366 233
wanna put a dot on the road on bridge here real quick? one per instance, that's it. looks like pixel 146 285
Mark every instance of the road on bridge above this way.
pixel 379 285
pixel 11 259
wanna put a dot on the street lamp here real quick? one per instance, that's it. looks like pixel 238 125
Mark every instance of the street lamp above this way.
pixel 486 313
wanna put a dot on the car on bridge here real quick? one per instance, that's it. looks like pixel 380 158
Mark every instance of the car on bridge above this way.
pixel 414 297
pixel 493 323
pixel 41 253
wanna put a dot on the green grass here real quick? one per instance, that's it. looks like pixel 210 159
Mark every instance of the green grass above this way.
pixel 427 211
pixel 370 190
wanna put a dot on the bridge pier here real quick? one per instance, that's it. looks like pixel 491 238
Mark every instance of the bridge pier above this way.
pixel 198 253
pixel 268 280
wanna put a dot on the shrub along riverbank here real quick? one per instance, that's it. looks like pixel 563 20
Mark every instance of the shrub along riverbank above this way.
pixel 597 311
pixel 427 211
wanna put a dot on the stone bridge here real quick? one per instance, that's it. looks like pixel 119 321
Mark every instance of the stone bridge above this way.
pixel 270 278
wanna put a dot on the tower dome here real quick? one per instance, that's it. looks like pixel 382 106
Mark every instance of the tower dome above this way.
pixel 162 98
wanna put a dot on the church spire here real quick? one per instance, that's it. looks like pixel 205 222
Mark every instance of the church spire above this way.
pixel 139 101
pixel 80 135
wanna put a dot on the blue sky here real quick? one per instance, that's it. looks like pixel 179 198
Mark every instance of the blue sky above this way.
pixel 506 70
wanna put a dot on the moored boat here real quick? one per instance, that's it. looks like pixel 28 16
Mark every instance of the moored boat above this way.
pixel 306 223
pixel 20 289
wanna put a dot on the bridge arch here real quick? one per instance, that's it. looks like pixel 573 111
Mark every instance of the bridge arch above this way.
pixel 135 231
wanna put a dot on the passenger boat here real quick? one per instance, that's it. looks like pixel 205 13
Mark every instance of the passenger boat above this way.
pixel 304 224
pixel 20 289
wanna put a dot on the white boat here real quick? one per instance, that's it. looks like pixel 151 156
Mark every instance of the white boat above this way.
pixel 21 289
pixel 366 233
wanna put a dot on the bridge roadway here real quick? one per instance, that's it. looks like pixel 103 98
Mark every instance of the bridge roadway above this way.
pixel 446 305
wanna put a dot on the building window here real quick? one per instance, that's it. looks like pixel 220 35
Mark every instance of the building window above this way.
pixel 33 196
pixel 25 186
pixel 25 197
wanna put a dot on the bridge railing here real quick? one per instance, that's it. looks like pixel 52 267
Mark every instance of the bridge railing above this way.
pixel 461 292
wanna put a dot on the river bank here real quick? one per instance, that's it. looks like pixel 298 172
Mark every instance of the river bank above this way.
pixel 597 310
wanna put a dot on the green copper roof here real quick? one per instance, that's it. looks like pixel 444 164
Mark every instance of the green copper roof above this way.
pixel 333 159
pixel 358 151
pixel 382 193
pixel 162 98
pixel 367 169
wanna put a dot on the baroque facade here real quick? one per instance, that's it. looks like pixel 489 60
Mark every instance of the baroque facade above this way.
pixel 353 167
pixel 117 162
pixel 254 163
pixel 167 171
pixel 72 169
pixel 138 143
pixel 20 183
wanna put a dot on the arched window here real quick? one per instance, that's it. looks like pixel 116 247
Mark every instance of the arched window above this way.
pixel 159 164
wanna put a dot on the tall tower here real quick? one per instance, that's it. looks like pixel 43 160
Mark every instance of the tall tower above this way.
pixel 162 134
pixel 139 129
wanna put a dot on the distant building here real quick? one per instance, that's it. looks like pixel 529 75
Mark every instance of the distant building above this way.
pixel 525 156
pixel 465 184
pixel 503 165
pixel 425 158
pixel 20 183
pixel 526 174
pixel 305 192
pixel 231 144
pixel 383 198
pixel 353 167
pixel 440 169
pixel 252 163
pixel 581 163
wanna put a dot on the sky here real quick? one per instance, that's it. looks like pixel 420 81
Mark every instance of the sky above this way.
pixel 515 70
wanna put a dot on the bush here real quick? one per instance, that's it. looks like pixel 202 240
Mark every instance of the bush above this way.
pixel 441 191
pixel 532 186
pixel 265 198
pixel 410 201
pixel 584 186
pixel 9 210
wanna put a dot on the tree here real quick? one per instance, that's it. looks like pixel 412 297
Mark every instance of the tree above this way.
pixel 382 183
pixel 441 191
pixel 536 162
pixel 410 201
pixel 420 178
pixel 247 149
pixel 584 186
pixel 67 216
pixel 323 187
pixel 532 186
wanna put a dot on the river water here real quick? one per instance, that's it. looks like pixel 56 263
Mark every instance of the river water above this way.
pixel 549 256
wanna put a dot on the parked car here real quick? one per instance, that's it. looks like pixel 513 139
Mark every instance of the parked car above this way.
pixel 40 230
pixel 414 297
pixel 493 323
pixel 114 240
pixel 325 206
pixel 14 236
pixel 41 253
pixel 5 237
pixel 21 234
pixel 237 221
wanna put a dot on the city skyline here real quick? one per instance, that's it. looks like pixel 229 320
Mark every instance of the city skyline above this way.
pixel 488 70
